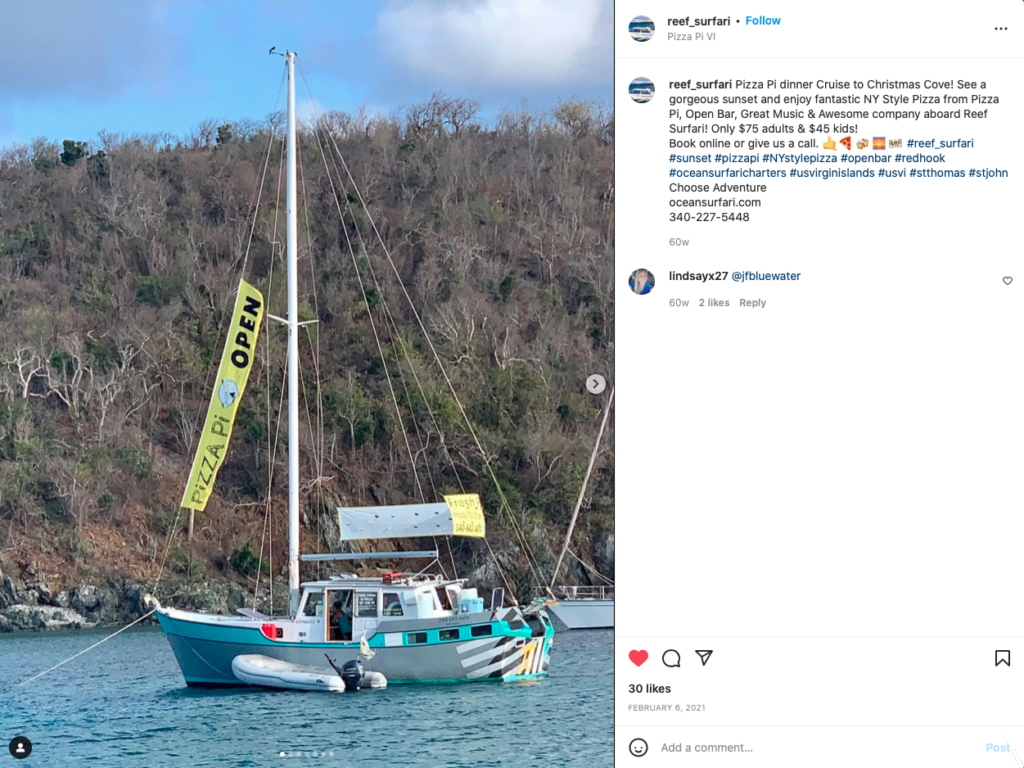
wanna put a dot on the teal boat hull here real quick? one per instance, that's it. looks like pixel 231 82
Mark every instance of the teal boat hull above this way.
pixel 515 650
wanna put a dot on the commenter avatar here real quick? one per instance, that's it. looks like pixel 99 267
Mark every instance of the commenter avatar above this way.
pixel 641 281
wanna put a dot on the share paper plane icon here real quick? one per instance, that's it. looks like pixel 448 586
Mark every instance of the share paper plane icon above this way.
pixel 704 656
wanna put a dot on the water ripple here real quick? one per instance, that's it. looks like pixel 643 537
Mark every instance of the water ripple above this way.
pixel 125 704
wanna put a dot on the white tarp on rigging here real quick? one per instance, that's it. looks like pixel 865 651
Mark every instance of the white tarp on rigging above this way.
pixel 459 515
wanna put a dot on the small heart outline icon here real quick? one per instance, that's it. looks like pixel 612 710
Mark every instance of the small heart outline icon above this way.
pixel 1007 280
pixel 638 657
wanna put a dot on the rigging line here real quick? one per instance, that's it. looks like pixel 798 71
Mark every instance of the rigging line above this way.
pixel 369 312
pixel 312 439
pixel 86 650
pixel 583 488
pixel 214 360
pixel 309 418
pixel 392 328
pixel 167 547
pixel 263 179
pixel 433 418
pixel 501 572
pixel 530 558
pixel 318 120
pixel 170 535
pixel 429 342
pixel 590 568
pixel 444 446
pixel 267 525
pixel 318 452
pixel 270 479
pixel 397 339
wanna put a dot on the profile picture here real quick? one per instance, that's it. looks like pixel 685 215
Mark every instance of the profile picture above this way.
pixel 641 90
pixel 641 281
pixel 641 29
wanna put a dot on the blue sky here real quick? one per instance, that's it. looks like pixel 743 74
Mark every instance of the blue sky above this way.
pixel 70 69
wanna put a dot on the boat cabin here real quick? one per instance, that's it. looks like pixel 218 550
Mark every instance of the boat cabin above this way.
pixel 342 609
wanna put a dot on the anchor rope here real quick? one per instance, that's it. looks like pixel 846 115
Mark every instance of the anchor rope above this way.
pixel 86 650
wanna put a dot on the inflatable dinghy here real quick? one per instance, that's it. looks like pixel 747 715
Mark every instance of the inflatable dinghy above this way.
pixel 255 669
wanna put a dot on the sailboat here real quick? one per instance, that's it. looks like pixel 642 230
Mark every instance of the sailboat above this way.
pixel 584 607
pixel 415 627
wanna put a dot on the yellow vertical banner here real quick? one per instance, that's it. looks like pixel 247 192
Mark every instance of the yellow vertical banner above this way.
pixel 232 375
pixel 467 515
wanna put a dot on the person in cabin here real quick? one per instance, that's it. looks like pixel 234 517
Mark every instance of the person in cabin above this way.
pixel 341 619
pixel 334 628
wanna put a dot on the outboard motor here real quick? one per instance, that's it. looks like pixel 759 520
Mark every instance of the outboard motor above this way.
pixel 352 674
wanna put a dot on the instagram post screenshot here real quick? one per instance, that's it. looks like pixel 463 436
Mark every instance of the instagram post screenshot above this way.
pixel 819 401
pixel 307 383
pixel 506 382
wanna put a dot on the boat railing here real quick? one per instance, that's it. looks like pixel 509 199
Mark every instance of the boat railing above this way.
pixel 583 592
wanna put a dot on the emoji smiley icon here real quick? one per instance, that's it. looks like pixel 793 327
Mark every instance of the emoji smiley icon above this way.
pixel 638 747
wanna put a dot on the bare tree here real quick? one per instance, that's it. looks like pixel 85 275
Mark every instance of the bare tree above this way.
pixel 26 364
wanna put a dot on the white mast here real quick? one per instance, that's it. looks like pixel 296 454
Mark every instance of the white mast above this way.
pixel 293 352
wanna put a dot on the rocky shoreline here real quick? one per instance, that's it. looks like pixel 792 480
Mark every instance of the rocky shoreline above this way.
pixel 31 603
pixel 32 606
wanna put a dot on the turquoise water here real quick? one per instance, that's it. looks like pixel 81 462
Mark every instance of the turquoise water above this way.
pixel 125 704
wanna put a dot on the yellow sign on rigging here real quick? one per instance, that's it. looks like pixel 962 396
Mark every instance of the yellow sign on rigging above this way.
pixel 467 515
pixel 235 364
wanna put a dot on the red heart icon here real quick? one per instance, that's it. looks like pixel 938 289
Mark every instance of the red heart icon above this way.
pixel 638 657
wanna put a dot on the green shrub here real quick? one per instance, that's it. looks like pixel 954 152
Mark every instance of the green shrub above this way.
pixel 158 291
pixel 246 562
pixel 133 462
pixel 107 500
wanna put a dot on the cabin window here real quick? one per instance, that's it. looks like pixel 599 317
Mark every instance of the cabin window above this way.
pixel 392 605
pixel 449 634
pixel 480 630
pixel 453 594
pixel 314 604
pixel 442 603
pixel 414 638
pixel 366 605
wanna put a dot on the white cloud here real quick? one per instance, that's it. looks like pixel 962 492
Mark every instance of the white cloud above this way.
pixel 499 42
pixel 84 53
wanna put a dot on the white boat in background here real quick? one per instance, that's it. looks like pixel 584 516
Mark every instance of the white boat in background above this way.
pixel 584 607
